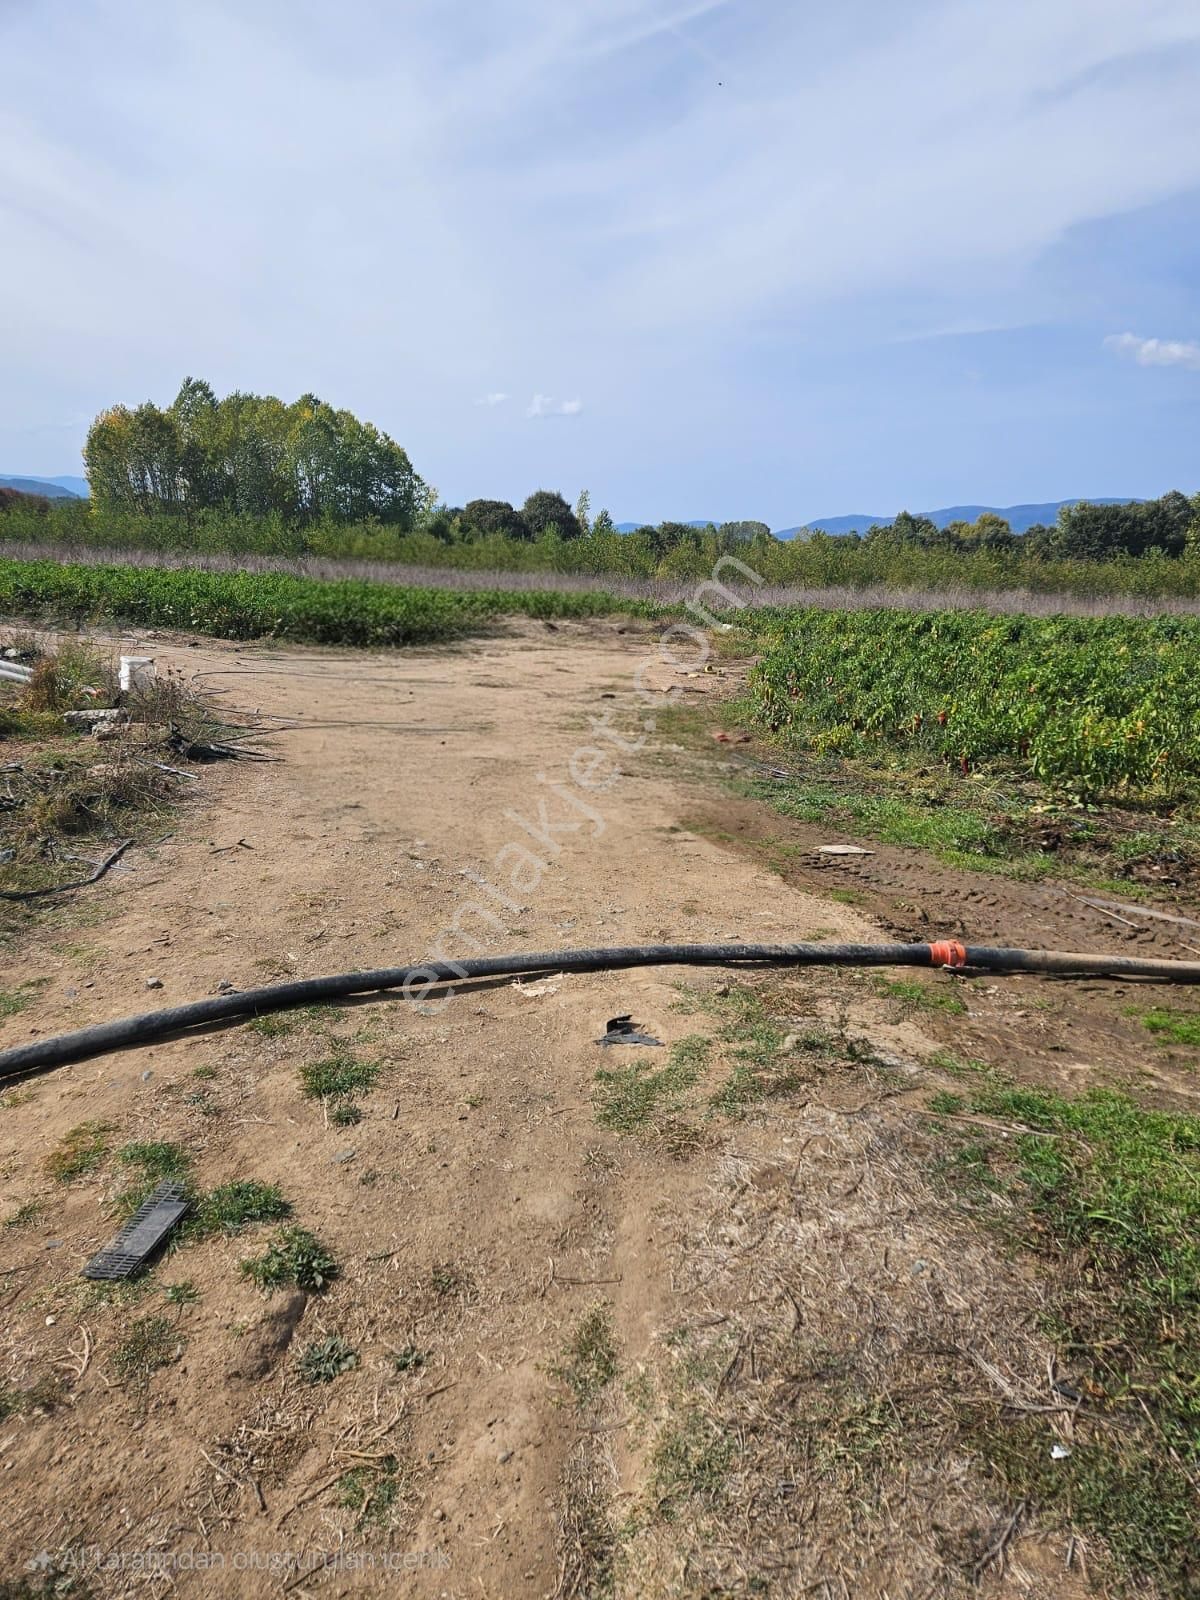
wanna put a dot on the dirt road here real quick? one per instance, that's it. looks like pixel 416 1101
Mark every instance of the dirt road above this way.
pixel 514 1270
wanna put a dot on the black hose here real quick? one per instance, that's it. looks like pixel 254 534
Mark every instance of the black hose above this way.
pixel 417 982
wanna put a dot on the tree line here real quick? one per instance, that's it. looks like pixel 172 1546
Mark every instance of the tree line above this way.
pixel 252 474
pixel 249 454
pixel 1169 526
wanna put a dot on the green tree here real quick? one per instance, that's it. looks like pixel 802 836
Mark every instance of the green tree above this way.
pixel 583 508
pixel 481 518
pixel 546 508
pixel 253 454
pixel 988 532
pixel 731 534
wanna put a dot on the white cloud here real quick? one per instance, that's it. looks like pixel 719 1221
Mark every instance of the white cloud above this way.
pixel 545 405
pixel 1156 352
pixel 661 199
pixel 496 399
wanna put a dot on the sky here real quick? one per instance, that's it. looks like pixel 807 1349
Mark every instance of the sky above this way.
pixel 703 258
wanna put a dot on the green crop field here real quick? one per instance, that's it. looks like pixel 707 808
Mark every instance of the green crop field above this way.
pixel 275 605
pixel 1091 705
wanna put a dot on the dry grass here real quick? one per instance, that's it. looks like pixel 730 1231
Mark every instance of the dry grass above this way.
pixel 809 1416
pixel 65 796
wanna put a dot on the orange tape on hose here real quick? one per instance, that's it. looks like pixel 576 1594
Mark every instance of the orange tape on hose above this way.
pixel 948 953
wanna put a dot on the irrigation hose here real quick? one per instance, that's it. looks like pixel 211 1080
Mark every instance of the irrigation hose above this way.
pixel 417 982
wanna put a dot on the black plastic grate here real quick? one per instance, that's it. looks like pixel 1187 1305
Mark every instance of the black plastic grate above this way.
pixel 142 1234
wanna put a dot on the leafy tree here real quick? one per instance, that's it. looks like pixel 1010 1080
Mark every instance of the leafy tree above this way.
pixel 442 524
pixel 254 454
pixel 583 507
pixel 1165 522
pixel 735 533
pixel 544 509
pixel 988 532
pixel 483 517
pixel 603 523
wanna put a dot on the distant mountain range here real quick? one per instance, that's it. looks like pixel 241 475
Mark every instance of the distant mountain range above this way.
pixel 52 488
pixel 1019 518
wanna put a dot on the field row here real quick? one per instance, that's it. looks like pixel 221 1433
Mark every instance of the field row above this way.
pixel 1090 705
pixel 273 605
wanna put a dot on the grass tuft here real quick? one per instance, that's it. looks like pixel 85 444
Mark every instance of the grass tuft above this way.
pixel 628 1099
pixel 148 1165
pixel 917 996
pixel 151 1343
pixel 337 1076
pixel 1174 1027
pixel 26 1213
pixel 80 1150
pixel 234 1206
pixel 589 1362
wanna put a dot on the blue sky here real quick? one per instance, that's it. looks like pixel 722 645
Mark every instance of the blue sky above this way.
pixel 750 258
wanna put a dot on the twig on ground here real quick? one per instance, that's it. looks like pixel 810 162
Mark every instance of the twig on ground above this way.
pixel 996 1549
pixel 79 883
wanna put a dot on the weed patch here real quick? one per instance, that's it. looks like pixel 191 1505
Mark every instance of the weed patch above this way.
pixel 690 1462
pixel 371 1492
pixel 13 1001
pixel 326 1359
pixel 183 1293
pixel 589 1362
pixel 628 1099
pixel 916 996
pixel 146 1166
pixel 1174 1027
pixel 294 1257
pixel 408 1359
pixel 1107 1193
pixel 151 1343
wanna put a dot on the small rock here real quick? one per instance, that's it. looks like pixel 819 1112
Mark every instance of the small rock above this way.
pixel 504 1457
pixel 154 983
pixel 792 1040
pixel 225 987
pixel 344 1156
pixel 71 994
pixel 50 1321
pixel 439 1515
pixel 147 1075
pixel 54 1244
